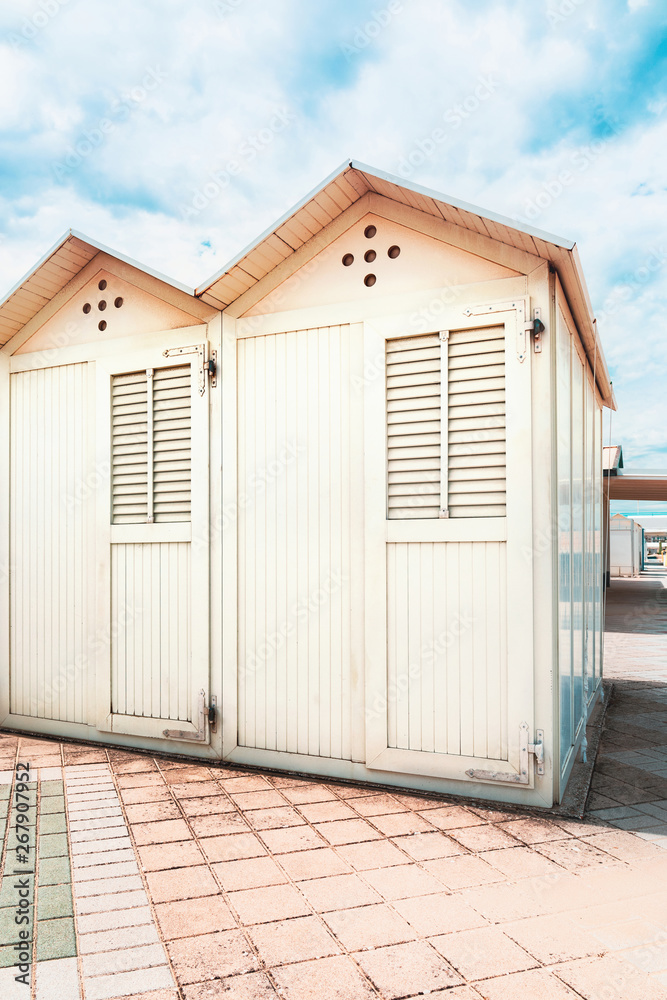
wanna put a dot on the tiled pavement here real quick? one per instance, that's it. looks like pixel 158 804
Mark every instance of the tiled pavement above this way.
pixel 189 882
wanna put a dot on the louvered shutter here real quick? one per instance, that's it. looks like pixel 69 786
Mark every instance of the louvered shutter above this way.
pixel 151 446
pixel 476 422
pixel 413 426
pixel 451 463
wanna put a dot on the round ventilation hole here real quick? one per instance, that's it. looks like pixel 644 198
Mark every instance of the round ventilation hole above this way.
pixel 102 305
pixel 369 232
pixel 102 325
pixel 118 302
pixel 370 280
pixel 393 252
pixel 102 285
pixel 87 307
pixel 370 256
pixel 348 259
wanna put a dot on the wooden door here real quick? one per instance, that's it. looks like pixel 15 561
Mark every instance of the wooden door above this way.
pixel 449 604
pixel 153 554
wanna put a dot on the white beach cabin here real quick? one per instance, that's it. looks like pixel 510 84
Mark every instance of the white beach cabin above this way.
pixel 337 512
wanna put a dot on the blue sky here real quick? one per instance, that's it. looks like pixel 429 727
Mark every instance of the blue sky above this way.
pixel 121 118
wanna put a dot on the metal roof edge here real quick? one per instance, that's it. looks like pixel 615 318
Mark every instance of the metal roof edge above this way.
pixel 100 247
pixel 502 220
pixel 201 289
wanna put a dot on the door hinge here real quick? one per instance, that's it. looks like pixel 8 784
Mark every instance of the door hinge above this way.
pixel 525 749
pixel 205 713
pixel 207 363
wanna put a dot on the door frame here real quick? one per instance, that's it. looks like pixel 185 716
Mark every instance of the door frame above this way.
pixel 196 531
pixel 515 529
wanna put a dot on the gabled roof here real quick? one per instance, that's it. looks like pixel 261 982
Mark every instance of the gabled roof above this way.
pixel 351 182
pixel 612 458
pixel 50 275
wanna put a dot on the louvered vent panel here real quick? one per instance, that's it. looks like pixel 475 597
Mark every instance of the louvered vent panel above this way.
pixel 129 424
pixel 476 423
pixel 151 438
pixel 413 426
pixel 171 444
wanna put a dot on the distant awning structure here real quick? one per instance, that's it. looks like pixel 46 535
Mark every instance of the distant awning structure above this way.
pixel 631 484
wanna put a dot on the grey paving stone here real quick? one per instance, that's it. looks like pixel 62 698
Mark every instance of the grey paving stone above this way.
pixel 55 939
pixel 53 845
pixel 52 824
pixel 52 804
pixel 48 788
pixel 54 901
pixel 54 871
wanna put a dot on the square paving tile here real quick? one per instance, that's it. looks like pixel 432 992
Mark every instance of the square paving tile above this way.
pixel 199 789
pixel 249 874
pixel 177 854
pixel 532 830
pixel 371 926
pixel 576 855
pixel 326 811
pixel 403 881
pixel 306 792
pixel 314 864
pixel 55 939
pixel 408 969
pixel 147 793
pixel 149 812
pixel 463 871
pixel 401 824
pixel 347 831
pixel 610 978
pixel 257 800
pixel 54 901
pixel 161 832
pixel 251 986
pixel 233 847
pixel 53 845
pixel 206 805
pixel 483 952
pixel 274 819
pixel 372 854
pixel 537 984
pixel 520 862
pixel 53 871
pixel 483 838
pixel 293 838
pixel 216 826
pixel 439 914
pixel 451 817
pixel 338 892
pixel 270 903
pixel 552 939
pixel 205 914
pixel 295 940
pixel 377 805
pixel 52 804
pixel 334 978
pixel 181 883
pixel 427 846
pixel 54 823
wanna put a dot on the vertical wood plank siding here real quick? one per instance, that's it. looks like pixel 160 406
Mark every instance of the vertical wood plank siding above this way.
pixel 300 533
pixel 446 646
pixel 50 495
pixel 150 650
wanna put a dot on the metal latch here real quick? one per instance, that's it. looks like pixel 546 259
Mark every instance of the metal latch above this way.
pixel 525 749
pixel 204 713
pixel 535 328
pixel 206 364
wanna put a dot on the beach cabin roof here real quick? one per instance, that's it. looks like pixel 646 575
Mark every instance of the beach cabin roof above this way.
pixel 319 217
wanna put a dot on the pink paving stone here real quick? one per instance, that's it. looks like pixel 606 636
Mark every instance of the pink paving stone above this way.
pixel 147 779
pixel 152 995
pixel 451 817
pixel 293 838
pixel 372 854
pixel 205 914
pixel 609 978
pixel 178 775
pixel 576 855
pixel 334 978
pixel 215 826
pixel 274 819
pixel 427 846
pixel 308 793
pixel 251 986
pixel 324 812
pixel 160 832
pixel 178 854
pixel 520 862
pixel 537 984
pixel 377 805
pixel 150 812
pixel 154 793
pixel 245 783
pixel 206 805
pixel 401 824
pixel 314 864
pixel 338 892
pixel 347 831
pixel 404 969
pixel 482 953
pixel 366 927
pixel 403 881
pixel 463 871
pixel 249 874
pixel 181 883
pixel 270 903
pixel 552 939
pixel 257 800
pixel 211 956
pixel 295 940
pixel 133 766
pixel 196 789
pixel 439 914
pixel 533 831
pixel 483 838
pixel 233 847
